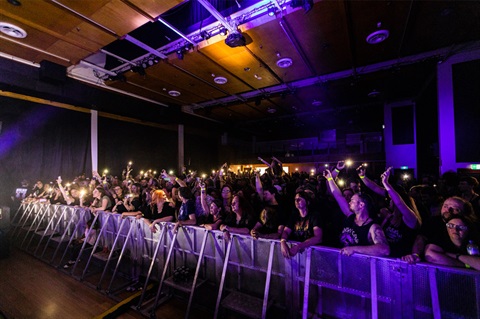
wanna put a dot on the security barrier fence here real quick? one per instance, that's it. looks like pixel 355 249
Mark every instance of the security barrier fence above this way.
pixel 243 275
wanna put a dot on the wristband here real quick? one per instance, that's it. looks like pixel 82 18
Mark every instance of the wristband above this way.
pixel 362 177
pixel 468 266
pixel 176 179
pixel 329 179
pixel 337 170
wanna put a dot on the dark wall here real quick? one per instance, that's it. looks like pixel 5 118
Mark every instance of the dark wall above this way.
pixel 40 142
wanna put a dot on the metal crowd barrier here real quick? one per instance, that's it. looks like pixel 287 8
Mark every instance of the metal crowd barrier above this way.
pixel 246 275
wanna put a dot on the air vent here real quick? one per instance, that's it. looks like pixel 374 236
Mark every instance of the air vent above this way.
pixel 220 80
pixel 12 30
pixel 174 93
pixel 377 36
pixel 284 63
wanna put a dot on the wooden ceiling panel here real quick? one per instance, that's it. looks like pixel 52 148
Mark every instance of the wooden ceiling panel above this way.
pixel 203 67
pixel 372 16
pixel 119 17
pixel 270 43
pixel 238 60
pixel 43 14
pixel 170 76
pixel 155 7
pixel 135 89
pixel 66 50
pixel 85 32
pixel 323 36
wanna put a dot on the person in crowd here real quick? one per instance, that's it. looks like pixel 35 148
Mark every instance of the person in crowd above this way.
pixel 157 211
pixel 360 233
pixel 215 214
pixel 101 201
pixel 241 219
pixel 467 186
pixel 433 230
pixel 402 221
pixel 227 196
pixel 304 227
pixel 452 250
pixel 269 225
pixel 186 214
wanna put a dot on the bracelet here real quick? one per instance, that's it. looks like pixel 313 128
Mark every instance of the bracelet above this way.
pixel 362 177
pixel 329 179
pixel 468 266
pixel 176 179
pixel 337 170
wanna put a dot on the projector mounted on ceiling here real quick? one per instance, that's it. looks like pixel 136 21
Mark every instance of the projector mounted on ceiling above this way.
pixel 235 39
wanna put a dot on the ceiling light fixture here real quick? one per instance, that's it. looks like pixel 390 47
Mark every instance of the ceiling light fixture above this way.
pixel 12 30
pixel 271 110
pixel 235 39
pixel 377 36
pixel 374 93
pixel 284 63
pixel 223 31
pixel 220 80
pixel 174 93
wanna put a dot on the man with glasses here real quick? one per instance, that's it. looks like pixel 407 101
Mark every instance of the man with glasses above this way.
pixel 436 236
pixel 452 250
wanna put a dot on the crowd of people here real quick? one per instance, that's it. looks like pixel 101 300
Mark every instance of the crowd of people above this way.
pixel 431 221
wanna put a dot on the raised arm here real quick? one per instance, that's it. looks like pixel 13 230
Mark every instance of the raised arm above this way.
pixel 337 193
pixel 411 219
pixel 258 185
pixel 369 183
pixel 203 198
pixel 338 168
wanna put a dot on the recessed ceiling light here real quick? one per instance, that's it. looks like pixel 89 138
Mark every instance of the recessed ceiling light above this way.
pixel 220 80
pixel 271 110
pixel 12 30
pixel 284 63
pixel 174 93
pixel 258 77
pixel 373 94
pixel 377 36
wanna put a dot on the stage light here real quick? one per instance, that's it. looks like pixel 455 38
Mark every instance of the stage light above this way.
pixel 223 31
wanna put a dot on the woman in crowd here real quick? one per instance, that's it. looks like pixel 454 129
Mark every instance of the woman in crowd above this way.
pixel 304 227
pixel 215 213
pixel 402 221
pixel 101 201
pixel 186 213
pixel 241 220
pixel 158 210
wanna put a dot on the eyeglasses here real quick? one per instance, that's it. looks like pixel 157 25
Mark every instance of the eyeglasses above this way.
pixel 457 227
pixel 226 191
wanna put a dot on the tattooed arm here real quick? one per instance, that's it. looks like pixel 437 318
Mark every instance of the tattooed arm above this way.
pixel 379 245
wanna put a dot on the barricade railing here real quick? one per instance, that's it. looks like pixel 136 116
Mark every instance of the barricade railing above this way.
pixel 248 275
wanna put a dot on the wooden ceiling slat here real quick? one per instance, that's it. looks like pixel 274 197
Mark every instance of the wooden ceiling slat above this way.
pixel 155 7
pixel 238 60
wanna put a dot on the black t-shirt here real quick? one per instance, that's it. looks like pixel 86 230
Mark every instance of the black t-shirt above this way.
pixel 151 212
pixel 400 238
pixel 247 221
pixel 354 235
pixel 302 227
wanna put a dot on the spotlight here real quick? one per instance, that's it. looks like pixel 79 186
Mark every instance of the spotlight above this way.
pixel 139 69
pixel 223 31
pixel 205 35
pixel 306 4
pixel 271 11
pixel 180 54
